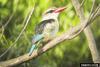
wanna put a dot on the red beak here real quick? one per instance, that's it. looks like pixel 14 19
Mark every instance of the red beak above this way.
pixel 58 10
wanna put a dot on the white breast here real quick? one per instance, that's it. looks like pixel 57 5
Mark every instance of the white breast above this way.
pixel 51 29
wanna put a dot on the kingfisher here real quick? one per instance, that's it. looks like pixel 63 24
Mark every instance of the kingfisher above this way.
pixel 48 27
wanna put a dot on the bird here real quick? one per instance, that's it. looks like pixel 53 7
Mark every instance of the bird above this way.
pixel 48 27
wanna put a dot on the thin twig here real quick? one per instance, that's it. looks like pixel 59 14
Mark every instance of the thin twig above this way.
pixel 83 1
pixel 10 18
pixel 92 10
pixel 97 12
pixel 93 6
pixel 2 32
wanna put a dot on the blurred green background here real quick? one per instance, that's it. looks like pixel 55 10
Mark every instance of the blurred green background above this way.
pixel 69 53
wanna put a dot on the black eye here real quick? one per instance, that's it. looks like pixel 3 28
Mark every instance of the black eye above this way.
pixel 50 11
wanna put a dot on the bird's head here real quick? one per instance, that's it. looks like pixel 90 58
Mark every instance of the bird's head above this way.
pixel 52 13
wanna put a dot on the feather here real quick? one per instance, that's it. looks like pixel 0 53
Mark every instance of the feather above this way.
pixel 34 40
pixel 40 27
pixel 32 49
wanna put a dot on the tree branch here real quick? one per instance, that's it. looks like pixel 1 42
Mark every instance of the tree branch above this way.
pixel 87 31
pixel 66 36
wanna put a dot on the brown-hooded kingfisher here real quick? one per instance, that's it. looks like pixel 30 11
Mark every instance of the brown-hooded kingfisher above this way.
pixel 47 28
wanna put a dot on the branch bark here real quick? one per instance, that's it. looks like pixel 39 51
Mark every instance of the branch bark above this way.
pixel 87 30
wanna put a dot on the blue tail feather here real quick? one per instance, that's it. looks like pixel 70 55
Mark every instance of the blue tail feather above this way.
pixel 35 38
pixel 32 49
